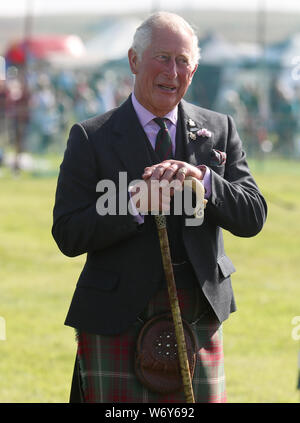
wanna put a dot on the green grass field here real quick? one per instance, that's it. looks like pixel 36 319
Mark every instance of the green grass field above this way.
pixel 37 282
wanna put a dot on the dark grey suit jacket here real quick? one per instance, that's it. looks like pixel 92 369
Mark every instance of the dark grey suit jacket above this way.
pixel 123 267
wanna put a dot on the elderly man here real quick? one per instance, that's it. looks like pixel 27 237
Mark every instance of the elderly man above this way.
pixel 154 135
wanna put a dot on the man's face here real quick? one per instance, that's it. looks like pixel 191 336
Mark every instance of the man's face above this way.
pixel 165 71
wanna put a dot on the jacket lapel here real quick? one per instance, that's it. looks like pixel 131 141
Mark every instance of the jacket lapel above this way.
pixel 198 148
pixel 130 141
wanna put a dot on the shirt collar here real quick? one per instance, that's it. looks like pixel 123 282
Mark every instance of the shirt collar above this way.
pixel 145 116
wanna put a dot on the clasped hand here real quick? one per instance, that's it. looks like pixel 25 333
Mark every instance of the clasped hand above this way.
pixel 154 192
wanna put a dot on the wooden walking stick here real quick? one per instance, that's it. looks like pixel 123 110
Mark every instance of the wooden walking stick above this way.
pixel 160 220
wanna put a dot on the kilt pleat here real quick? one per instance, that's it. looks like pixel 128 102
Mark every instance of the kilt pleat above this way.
pixel 106 363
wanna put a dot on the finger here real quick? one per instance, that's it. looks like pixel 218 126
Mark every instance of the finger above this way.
pixel 170 172
pixel 147 172
pixel 181 173
pixel 159 171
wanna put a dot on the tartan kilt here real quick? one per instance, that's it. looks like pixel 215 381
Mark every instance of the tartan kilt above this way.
pixel 106 363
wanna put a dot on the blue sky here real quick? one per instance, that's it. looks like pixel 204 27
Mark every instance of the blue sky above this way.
pixel 18 7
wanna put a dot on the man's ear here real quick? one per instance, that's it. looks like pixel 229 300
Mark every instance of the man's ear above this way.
pixel 193 73
pixel 133 60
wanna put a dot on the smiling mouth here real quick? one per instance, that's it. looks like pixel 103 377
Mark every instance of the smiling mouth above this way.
pixel 167 88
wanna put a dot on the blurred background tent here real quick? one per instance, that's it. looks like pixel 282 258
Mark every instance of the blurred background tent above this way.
pixel 42 47
pixel 110 43
pixel 113 41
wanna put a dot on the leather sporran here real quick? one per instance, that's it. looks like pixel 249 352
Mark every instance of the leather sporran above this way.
pixel 157 362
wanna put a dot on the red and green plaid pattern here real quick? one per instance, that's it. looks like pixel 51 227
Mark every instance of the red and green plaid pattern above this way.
pixel 107 362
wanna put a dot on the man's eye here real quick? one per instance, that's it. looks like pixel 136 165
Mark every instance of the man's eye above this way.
pixel 183 60
pixel 162 57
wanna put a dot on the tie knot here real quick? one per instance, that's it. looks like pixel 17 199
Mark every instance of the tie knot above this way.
pixel 161 122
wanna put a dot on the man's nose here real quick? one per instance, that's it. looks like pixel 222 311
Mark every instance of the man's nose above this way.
pixel 171 70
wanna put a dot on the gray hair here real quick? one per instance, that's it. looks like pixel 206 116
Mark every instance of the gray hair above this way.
pixel 143 34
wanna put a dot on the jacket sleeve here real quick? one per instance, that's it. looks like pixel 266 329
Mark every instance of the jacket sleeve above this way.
pixel 236 203
pixel 77 226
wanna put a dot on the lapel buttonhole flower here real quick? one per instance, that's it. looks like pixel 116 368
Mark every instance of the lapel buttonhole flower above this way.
pixel 204 133
pixel 191 123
